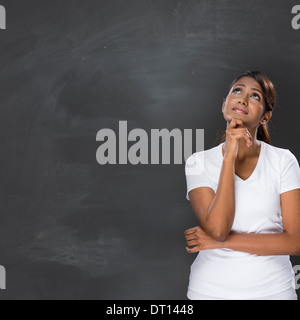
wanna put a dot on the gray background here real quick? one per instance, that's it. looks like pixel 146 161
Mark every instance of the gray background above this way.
pixel 72 229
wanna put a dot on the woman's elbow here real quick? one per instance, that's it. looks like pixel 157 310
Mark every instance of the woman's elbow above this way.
pixel 219 231
pixel 220 236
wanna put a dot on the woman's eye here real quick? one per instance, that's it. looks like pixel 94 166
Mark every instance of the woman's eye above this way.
pixel 238 90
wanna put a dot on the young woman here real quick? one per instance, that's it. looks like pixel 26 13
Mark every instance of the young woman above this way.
pixel 245 194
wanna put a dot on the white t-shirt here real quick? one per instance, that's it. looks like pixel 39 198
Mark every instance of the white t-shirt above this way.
pixel 229 274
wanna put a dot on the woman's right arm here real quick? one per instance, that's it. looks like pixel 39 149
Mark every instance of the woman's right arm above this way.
pixel 215 211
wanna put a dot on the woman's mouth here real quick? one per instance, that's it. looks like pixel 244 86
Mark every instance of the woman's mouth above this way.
pixel 239 110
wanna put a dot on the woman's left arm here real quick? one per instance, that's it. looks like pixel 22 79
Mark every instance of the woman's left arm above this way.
pixel 285 243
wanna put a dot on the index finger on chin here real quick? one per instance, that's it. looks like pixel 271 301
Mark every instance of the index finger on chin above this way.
pixel 236 122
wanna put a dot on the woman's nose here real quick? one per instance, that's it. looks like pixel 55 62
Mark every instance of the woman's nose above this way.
pixel 243 100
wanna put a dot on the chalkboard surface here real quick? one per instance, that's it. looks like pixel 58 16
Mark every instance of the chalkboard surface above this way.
pixel 71 228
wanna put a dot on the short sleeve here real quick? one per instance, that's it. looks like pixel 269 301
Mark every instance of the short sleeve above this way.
pixel 290 173
pixel 195 173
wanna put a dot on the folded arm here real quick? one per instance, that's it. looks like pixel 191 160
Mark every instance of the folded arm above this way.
pixel 264 244
pixel 285 243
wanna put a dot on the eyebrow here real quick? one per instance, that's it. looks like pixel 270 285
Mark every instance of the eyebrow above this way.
pixel 240 84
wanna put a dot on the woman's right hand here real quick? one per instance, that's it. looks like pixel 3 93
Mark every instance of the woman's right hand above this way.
pixel 235 131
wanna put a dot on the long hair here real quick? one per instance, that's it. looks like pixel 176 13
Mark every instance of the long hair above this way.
pixel 270 99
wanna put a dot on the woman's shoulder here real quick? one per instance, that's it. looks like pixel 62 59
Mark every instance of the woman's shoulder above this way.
pixel 275 150
pixel 206 158
pixel 280 155
pixel 208 153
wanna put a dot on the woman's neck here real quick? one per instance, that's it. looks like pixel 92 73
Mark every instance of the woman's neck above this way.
pixel 244 151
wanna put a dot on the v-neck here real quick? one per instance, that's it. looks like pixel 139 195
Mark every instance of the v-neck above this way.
pixel 258 164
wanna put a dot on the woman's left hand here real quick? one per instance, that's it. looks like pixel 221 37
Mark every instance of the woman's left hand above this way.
pixel 198 238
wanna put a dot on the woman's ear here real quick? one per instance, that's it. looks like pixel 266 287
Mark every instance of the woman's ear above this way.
pixel 266 117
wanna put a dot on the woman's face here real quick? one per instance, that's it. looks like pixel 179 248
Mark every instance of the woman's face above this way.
pixel 245 101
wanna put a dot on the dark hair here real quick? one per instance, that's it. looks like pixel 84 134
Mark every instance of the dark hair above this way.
pixel 270 99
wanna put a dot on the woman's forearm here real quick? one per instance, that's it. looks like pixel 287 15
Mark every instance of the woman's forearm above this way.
pixel 263 244
pixel 220 215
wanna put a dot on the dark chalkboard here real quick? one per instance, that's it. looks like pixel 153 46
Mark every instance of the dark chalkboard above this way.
pixel 71 228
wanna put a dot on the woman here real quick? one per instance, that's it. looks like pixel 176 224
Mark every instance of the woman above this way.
pixel 245 194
